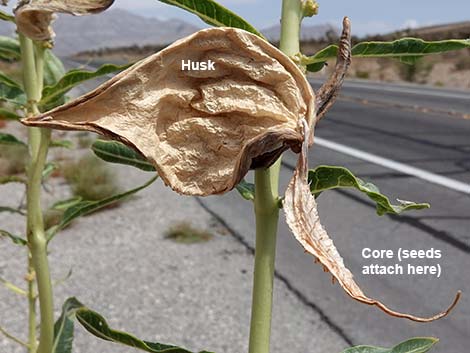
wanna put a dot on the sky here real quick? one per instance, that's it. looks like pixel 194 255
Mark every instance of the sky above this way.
pixel 367 16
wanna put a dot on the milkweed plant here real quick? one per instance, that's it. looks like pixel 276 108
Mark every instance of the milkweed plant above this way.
pixel 200 132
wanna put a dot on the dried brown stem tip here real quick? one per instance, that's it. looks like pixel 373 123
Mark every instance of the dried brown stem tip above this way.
pixel 327 93
pixel 34 17
pixel 302 217
pixel 202 129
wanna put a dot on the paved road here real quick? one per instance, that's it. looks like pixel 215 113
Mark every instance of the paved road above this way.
pixel 368 118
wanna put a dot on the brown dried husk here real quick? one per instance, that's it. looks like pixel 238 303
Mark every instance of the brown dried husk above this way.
pixel 34 17
pixel 202 130
pixel 302 218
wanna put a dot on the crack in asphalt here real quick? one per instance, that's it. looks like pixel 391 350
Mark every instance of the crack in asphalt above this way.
pixel 296 292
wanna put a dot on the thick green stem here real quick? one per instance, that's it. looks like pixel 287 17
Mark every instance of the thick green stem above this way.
pixel 267 214
pixel 267 210
pixel 39 144
pixel 32 339
pixel 290 27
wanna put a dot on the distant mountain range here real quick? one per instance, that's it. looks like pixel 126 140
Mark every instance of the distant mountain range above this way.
pixel 314 32
pixel 120 28
pixel 113 28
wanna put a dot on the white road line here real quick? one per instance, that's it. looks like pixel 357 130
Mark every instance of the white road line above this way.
pixel 404 89
pixel 391 164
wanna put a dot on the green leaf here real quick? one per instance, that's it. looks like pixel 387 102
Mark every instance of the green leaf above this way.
pixel 117 152
pixel 6 17
pixel 407 47
pixel 413 345
pixel 73 78
pixel 315 67
pixel 11 91
pixel 214 14
pixel 64 327
pixel 6 114
pixel 246 190
pixel 7 139
pixel 13 288
pixel 54 69
pixel 48 170
pixel 97 326
pixel 64 204
pixel 12 179
pixel 83 208
pixel 14 238
pixel 317 61
pixel 11 210
pixel 61 143
pixel 9 48
pixel 331 177
pixel 407 50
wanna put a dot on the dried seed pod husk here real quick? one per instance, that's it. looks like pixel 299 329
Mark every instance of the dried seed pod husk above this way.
pixel 302 218
pixel 34 17
pixel 202 130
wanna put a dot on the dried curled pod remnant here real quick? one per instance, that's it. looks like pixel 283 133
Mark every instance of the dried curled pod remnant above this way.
pixel 302 217
pixel 34 17
pixel 202 129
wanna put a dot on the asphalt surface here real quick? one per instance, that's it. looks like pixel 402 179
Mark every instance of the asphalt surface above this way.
pixel 367 117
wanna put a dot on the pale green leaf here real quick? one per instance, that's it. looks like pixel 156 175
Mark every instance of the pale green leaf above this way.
pixel 6 114
pixel 64 327
pixel 13 288
pixel 54 69
pixel 11 91
pixel 331 177
pixel 5 179
pixel 64 204
pixel 117 152
pixel 6 17
pixel 213 14
pixel 407 50
pixel 413 345
pixel 8 139
pixel 11 210
pixel 83 208
pixel 246 190
pixel 98 326
pixel 61 143
pixel 14 238
pixel 49 168
pixel 73 78
pixel 9 48
pixel 407 47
